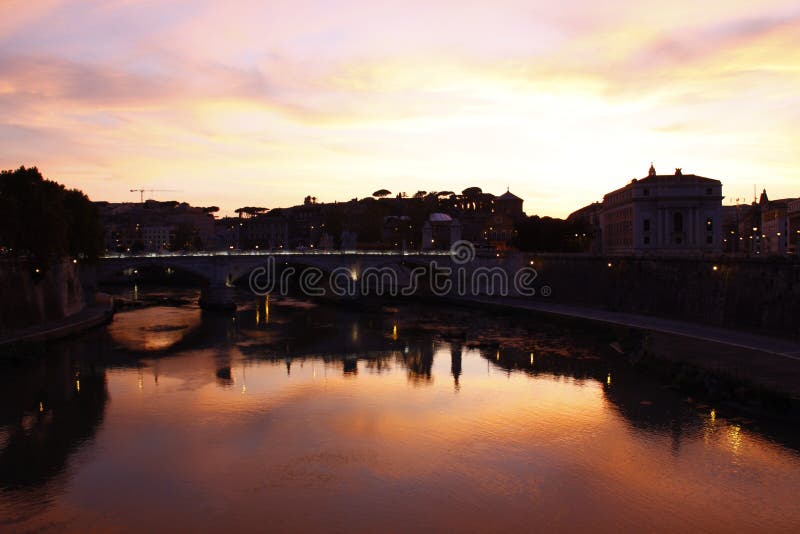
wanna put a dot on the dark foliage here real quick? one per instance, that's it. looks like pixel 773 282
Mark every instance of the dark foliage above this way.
pixel 42 219
pixel 546 234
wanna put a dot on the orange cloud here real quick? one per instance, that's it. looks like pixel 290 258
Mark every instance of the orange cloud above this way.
pixel 560 103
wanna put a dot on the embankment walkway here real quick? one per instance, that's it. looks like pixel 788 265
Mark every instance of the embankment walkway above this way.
pixel 90 317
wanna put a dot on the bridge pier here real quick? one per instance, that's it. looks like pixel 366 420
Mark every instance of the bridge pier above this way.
pixel 217 297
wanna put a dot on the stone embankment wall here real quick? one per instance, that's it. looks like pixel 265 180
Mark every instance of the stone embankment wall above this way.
pixel 29 298
pixel 760 295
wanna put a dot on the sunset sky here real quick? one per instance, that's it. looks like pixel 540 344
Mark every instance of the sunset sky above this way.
pixel 262 103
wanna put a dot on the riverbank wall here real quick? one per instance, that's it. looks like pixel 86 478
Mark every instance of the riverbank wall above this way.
pixel 756 295
pixel 36 294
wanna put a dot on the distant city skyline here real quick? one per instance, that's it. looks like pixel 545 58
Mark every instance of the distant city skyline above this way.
pixel 255 103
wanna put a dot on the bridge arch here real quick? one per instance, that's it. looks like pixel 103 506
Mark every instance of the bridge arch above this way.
pixel 220 272
pixel 108 269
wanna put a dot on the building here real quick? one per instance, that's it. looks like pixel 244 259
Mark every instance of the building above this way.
pixel 398 233
pixel 793 214
pixel 485 218
pixel 153 226
pixel 349 240
pixel 508 204
pixel 157 238
pixel 774 225
pixel 306 224
pixel 499 231
pixel 668 214
pixel 267 232
pixel 227 233
pixel 589 218
pixel 440 231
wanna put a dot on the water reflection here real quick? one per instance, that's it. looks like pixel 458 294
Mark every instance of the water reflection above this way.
pixel 243 420
pixel 156 328
pixel 49 411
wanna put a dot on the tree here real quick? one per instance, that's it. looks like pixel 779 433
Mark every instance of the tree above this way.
pixel 85 233
pixel 472 192
pixel 250 211
pixel 380 193
pixel 546 234
pixel 41 219
pixel 420 194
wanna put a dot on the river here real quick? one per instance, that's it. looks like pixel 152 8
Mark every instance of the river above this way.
pixel 295 416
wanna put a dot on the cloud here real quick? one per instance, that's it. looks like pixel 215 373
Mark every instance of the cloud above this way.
pixel 110 85
pixel 292 92
pixel 697 43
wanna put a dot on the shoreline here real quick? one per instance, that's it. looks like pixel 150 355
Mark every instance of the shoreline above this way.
pixel 749 372
pixel 90 317
pixel 778 346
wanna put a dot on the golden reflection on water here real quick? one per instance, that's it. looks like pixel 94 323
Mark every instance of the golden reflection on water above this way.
pixel 154 328
pixel 419 435
pixel 262 317
pixel 505 449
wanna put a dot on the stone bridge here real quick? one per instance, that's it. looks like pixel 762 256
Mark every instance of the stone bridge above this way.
pixel 222 270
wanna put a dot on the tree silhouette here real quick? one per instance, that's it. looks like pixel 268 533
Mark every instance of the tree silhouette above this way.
pixel 41 219
pixel 546 234
pixel 380 193
pixel 250 211
pixel 471 192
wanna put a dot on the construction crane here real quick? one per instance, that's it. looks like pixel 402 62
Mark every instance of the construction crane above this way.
pixel 142 192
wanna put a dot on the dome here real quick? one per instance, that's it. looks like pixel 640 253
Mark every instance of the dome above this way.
pixel 440 217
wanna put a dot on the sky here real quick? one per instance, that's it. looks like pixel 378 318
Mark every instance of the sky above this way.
pixel 243 103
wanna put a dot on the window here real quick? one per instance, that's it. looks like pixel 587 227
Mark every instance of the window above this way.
pixel 710 240
pixel 646 192
pixel 709 224
pixel 708 191
pixel 646 240
pixel 647 225
pixel 677 222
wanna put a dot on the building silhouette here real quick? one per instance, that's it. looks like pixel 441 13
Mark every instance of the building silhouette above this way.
pixel 673 214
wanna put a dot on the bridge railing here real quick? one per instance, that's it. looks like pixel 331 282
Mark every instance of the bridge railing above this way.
pixel 210 253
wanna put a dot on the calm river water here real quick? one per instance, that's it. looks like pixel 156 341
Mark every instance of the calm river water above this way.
pixel 295 416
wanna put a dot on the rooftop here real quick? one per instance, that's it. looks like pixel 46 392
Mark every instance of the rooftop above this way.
pixel 439 217
pixel 677 177
pixel 508 195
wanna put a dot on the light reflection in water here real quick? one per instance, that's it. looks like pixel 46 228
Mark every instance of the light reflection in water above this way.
pixel 154 329
pixel 332 411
